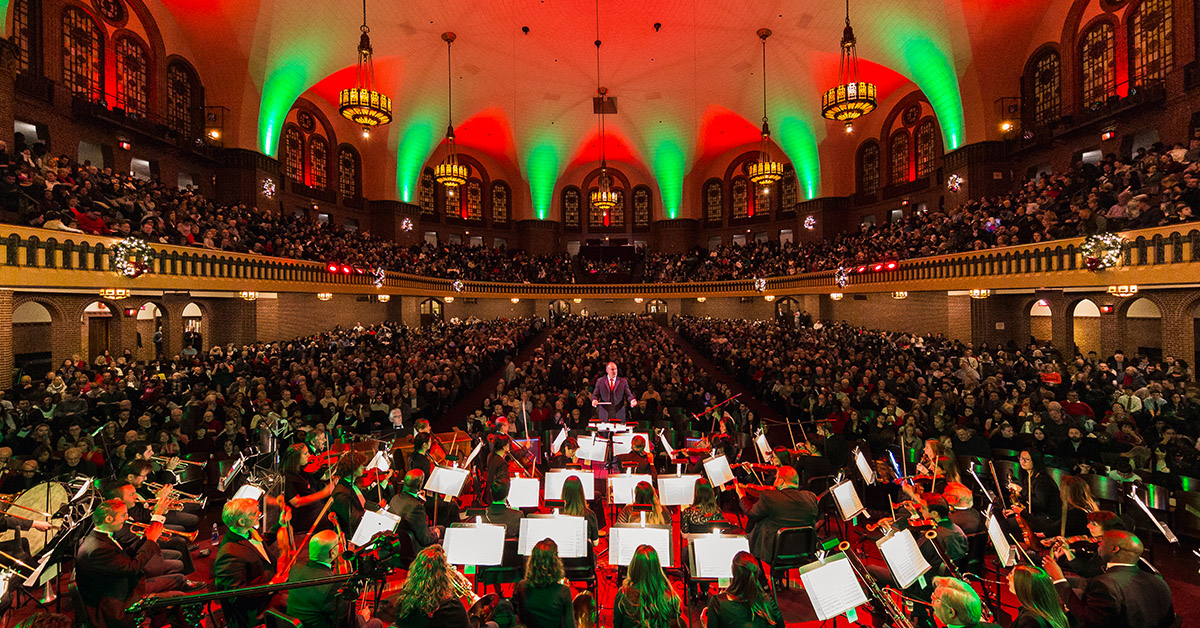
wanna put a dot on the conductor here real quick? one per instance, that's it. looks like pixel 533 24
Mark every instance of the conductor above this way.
pixel 610 395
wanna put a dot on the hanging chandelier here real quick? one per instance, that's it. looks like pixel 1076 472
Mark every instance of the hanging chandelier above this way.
pixel 851 99
pixel 361 104
pixel 765 171
pixel 450 173
pixel 604 197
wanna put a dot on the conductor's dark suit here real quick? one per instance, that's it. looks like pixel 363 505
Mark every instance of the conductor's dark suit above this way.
pixel 776 509
pixel 617 392
pixel 1122 596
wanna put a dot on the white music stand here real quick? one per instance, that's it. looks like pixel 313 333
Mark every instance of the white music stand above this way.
pixel 556 478
pixel 832 586
pixel 524 492
pixel 677 490
pixel 846 497
pixel 625 538
pixel 903 557
pixel 447 481
pixel 479 544
pixel 569 533
pixel 622 486
pixel 711 555
pixel 718 471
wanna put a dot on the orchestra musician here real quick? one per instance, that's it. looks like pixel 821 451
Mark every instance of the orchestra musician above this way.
pixel 644 495
pixel 111 576
pixel 1040 606
pixel 1084 561
pixel 637 459
pixel 321 606
pixel 173 557
pixel 497 464
pixel 409 505
pixel 429 598
pixel 615 392
pixel 744 603
pixel 499 513
pixel 137 473
pixel 962 509
pixel 302 490
pixel 419 458
pixel 568 454
pixel 1123 595
pixel 349 503
pixel 247 559
pixel 785 506
pixel 955 603
pixel 1035 495
pixel 541 599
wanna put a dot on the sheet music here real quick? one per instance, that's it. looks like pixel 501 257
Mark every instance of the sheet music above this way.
pixel 372 523
pixel 621 486
pixel 474 544
pixel 524 492
pixel 833 588
pixel 1004 550
pixel 556 478
pixel 719 473
pixel 712 554
pixel 570 533
pixel 556 444
pixel 666 446
pixel 677 490
pixel 764 447
pixel 623 442
pixel 625 538
pixel 592 448
pixel 381 462
pixel 864 466
pixel 248 491
pixel 846 497
pixel 471 458
pixel 447 480
pixel 903 557
pixel 33 579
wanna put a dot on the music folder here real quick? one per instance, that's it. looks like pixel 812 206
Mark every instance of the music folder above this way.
pixel 622 486
pixel 447 480
pixel 719 473
pixel 524 492
pixel 556 478
pixel 373 522
pixel 903 557
pixel 847 500
pixel 864 466
pixel 592 447
pixel 832 586
pixel 711 555
pixel 764 448
pixel 625 538
pixel 474 544
pixel 248 491
pixel 569 533
pixel 677 490
pixel 1004 549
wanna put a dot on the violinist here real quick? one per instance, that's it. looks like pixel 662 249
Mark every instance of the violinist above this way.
pixel 419 459
pixel 962 509
pixel 499 513
pixel 948 535
pixel 567 455
pixel 349 503
pixel 637 458
pixel 784 507
pixel 497 464
pixel 1034 494
pixel 1080 551
pixel 303 491
pixel 247 559
pixel 321 606
pixel 644 495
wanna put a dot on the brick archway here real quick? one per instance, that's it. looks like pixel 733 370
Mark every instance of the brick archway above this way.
pixel 64 337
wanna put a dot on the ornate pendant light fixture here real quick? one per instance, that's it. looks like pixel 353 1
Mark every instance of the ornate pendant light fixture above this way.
pixel 604 197
pixel 765 171
pixel 851 99
pixel 361 104
pixel 450 173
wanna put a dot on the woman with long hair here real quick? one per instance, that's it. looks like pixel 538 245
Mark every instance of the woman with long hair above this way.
pixel 427 598
pixel 541 599
pixel 646 599
pixel 704 509
pixel 1035 492
pixel 744 604
pixel 1077 502
pixel 575 505
pixel 304 493
pixel 643 495
pixel 1040 604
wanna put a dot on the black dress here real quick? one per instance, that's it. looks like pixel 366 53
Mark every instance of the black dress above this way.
pixel 449 614
pixel 300 485
pixel 544 607
pixel 725 612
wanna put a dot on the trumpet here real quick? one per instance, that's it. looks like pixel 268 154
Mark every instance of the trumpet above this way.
pixel 195 497
pixel 463 587
pixel 139 529
pixel 165 459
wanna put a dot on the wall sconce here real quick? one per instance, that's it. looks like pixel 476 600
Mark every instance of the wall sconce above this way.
pixel 979 293
pixel 1123 291
pixel 448 299
pixel 384 298
pixel 769 298
pixel 899 295
pixel 701 299
pixel 515 300
pixel 836 296
pixel 637 299
pixel 116 294
pixel 324 296
pixel 248 295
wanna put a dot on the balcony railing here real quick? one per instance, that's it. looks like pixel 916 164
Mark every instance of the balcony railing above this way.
pixel 45 259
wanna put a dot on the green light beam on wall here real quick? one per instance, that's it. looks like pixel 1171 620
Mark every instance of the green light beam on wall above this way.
pixel 670 166
pixel 933 71
pixel 799 141
pixel 416 143
pixel 542 164
pixel 280 91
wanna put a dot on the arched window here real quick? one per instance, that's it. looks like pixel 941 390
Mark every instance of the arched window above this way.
pixel 641 206
pixel 500 196
pixel 132 73
pixel 788 190
pixel 925 150
pixel 899 156
pixel 318 162
pixel 348 173
pixel 83 55
pixel 452 201
pixel 1098 64
pixel 714 202
pixel 1151 41
pixel 293 154
pixel 474 200
pixel 26 34
pixel 1045 85
pixel 182 107
pixel 740 192
pixel 868 168
pixel 428 192
pixel 570 207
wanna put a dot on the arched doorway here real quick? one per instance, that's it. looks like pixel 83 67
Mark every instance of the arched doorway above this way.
pixel 431 312
pixel 657 309
pixel 193 329
pixel 1143 328
pixel 1040 328
pixel 559 309
pixel 1085 326
pixel 151 329
pixel 786 308
pixel 98 328
pixel 31 335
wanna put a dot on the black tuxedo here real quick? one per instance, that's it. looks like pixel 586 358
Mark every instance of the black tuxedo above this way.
pixel 969 520
pixel 111 578
pixel 319 606
pixel 422 462
pixel 239 565
pixel 776 509
pixel 502 515
pixel 349 505
pixel 618 394
pixel 411 510
pixel 1122 596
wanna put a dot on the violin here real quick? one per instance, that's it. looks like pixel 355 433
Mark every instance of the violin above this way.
pixel 317 462
pixel 887 523
pixel 1071 540
pixel 373 476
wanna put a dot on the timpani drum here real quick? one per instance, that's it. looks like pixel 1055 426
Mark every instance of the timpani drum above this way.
pixel 42 503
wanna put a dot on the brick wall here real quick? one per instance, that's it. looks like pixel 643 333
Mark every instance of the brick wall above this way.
pixel 301 314
pixel 921 312
pixel 1087 334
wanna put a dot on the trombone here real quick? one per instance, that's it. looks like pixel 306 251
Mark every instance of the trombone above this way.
pixel 139 529
pixel 165 459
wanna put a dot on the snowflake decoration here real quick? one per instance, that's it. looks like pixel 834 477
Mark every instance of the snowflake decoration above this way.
pixel 268 188
pixel 810 222
pixel 841 276
pixel 760 284
pixel 954 183
pixel 1102 251
pixel 457 285
pixel 378 275
pixel 133 257
pixel 406 224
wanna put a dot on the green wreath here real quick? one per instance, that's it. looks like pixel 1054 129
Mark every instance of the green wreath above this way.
pixel 1102 251
pixel 133 257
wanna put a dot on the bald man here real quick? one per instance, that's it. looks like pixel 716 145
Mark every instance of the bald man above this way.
pixel 320 606
pixel 611 394
pixel 1123 595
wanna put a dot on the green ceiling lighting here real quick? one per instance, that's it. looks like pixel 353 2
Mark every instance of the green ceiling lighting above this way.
pixel 765 171
pixel 362 104
pixel 413 150
pixel 933 71
pixel 799 141
pixel 280 90
pixel 851 98
pixel 450 173
pixel 542 166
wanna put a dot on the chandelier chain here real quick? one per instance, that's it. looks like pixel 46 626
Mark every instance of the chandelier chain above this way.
pixel 764 75
pixel 603 161
pixel 449 85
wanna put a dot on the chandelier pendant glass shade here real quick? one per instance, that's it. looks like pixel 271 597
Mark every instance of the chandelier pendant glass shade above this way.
pixel 362 104
pixel 450 173
pixel 604 198
pixel 765 171
pixel 851 98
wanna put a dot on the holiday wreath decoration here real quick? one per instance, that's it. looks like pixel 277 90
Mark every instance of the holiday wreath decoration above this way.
pixel 378 275
pixel 1102 251
pixel 841 276
pixel 133 257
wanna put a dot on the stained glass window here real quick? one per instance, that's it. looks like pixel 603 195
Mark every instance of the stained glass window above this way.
pixel 474 209
pixel 132 88
pixel 641 206
pixel 499 202
pixel 180 86
pixel 293 154
pixel 741 197
pixel 83 55
pixel 347 173
pixel 616 215
pixel 899 156
pixel 1098 64
pixel 318 162
pixel 1151 41
pixel 428 207
pixel 925 149
pixel 788 191
pixel 570 205
pixel 1047 77
pixel 24 34
pixel 451 201
pixel 713 202
pixel 868 168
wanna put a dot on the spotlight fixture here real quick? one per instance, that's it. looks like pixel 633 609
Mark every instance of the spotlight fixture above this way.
pixel 852 98
pixel 836 296
pixel 900 295
pixel 324 296
pixel 1123 291
pixel 248 295
pixel 362 104
pixel 765 171
pixel 450 173
pixel 979 293
pixel 116 294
